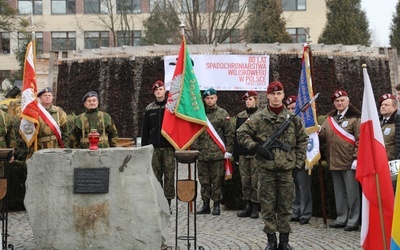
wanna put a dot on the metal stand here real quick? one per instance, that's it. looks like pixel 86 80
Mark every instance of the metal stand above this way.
pixel 186 190
pixel 5 156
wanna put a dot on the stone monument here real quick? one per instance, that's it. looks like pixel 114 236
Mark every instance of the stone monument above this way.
pixel 103 199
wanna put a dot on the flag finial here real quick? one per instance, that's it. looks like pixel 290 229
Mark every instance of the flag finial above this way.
pixel 364 65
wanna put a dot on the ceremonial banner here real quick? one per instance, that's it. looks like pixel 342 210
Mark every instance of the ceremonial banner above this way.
pixel 373 174
pixel 310 115
pixel 29 126
pixel 184 117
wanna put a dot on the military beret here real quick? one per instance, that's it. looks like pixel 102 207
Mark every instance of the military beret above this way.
pixel 291 99
pixel 156 85
pixel 209 91
pixel 45 90
pixel 338 93
pixel 90 94
pixel 385 97
pixel 248 94
pixel 274 86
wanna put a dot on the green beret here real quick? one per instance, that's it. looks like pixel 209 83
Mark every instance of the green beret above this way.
pixel 45 90
pixel 209 91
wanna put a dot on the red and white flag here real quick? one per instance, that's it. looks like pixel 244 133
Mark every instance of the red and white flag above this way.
pixel 373 174
pixel 29 126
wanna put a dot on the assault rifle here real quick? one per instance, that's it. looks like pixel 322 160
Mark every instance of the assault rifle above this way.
pixel 274 142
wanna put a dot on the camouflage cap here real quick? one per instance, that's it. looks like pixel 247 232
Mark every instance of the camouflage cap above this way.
pixel 90 94
pixel 45 90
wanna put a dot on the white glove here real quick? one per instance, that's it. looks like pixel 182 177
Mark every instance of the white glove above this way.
pixel 319 128
pixel 354 165
pixel 227 155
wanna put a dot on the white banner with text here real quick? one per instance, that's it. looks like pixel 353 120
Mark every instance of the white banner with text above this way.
pixel 225 72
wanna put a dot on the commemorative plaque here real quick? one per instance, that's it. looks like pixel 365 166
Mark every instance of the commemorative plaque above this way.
pixel 91 180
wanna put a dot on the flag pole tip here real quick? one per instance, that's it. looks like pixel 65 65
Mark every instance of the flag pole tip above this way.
pixel 364 65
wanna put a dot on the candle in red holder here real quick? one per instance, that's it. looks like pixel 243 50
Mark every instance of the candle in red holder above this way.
pixel 93 137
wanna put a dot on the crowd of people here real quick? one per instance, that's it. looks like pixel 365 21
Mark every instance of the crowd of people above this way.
pixel 275 181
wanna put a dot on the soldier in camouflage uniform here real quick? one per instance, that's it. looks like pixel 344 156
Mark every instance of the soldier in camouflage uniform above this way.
pixel 247 163
pixel 93 119
pixel 7 139
pixel 211 159
pixel 46 137
pixel 164 153
pixel 275 180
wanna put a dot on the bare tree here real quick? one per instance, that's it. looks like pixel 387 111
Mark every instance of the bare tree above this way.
pixel 207 21
pixel 9 18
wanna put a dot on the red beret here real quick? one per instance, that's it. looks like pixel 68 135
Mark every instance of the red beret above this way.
pixel 291 99
pixel 274 86
pixel 248 94
pixel 337 94
pixel 385 97
pixel 157 84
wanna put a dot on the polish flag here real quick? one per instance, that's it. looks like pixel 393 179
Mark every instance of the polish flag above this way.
pixel 373 174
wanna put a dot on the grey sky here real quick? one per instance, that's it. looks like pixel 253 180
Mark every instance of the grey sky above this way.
pixel 379 14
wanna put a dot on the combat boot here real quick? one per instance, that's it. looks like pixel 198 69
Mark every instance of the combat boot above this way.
pixel 247 210
pixel 254 213
pixel 205 209
pixel 216 209
pixel 284 242
pixel 272 242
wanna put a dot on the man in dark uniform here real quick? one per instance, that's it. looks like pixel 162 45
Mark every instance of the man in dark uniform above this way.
pixel 275 180
pixel 164 153
pixel 93 118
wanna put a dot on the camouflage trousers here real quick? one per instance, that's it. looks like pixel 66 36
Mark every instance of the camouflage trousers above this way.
pixel 276 195
pixel 248 177
pixel 163 163
pixel 211 176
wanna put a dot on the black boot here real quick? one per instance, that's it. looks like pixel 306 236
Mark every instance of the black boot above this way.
pixel 247 210
pixel 284 242
pixel 254 213
pixel 169 204
pixel 205 209
pixel 272 242
pixel 216 209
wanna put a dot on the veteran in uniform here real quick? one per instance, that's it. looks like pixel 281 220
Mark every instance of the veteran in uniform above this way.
pixel 212 156
pixel 340 134
pixel 275 180
pixel 163 161
pixel 57 119
pixel 388 114
pixel 93 118
pixel 245 158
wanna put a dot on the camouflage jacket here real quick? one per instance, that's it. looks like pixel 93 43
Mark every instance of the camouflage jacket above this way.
pixel 209 150
pixel 46 137
pixel 388 132
pixel 262 125
pixel 7 131
pixel 239 149
pixel 94 119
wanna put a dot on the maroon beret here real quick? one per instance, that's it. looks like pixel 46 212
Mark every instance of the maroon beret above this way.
pixel 274 86
pixel 338 93
pixel 385 97
pixel 248 94
pixel 157 84
pixel 291 99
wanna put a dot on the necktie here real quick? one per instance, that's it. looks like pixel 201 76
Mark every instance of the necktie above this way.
pixel 384 121
pixel 339 117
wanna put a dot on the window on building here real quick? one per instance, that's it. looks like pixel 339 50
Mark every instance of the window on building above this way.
pixel 292 5
pixel 130 38
pixel 4 74
pixel 228 37
pixel 161 3
pixel 96 39
pixel 225 5
pixel 25 38
pixel 188 6
pixel 5 42
pixel 63 7
pixel 63 41
pixel 95 6
pixel 30 7
pixel 129 6
pixel 298 35
pixel 251 6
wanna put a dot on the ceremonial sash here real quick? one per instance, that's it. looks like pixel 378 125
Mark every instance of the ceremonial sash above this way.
pixel 340 132
pixel 217 139
pixel 49 120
